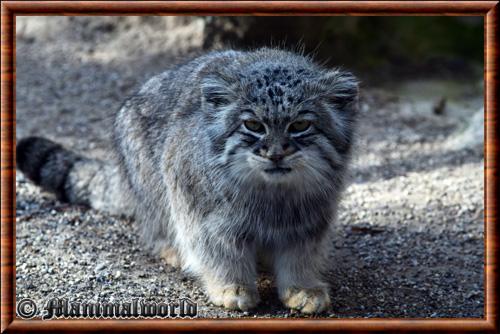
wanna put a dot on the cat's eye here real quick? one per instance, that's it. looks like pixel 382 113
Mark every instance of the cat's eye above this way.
pixel 299 126
pixel 254 126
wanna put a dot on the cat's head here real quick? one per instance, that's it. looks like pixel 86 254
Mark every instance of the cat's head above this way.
pixel 276 117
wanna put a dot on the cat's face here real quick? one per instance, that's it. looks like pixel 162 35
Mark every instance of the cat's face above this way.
pixel 281 148
pixel 282 125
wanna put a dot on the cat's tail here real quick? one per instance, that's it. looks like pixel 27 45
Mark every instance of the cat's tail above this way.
pixel 72 177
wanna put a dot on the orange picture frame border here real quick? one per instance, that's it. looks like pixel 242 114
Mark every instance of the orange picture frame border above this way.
pixel 11 9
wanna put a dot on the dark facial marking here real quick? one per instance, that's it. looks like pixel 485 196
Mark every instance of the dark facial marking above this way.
pixel 248 138
pixel 306 139
pixel 270 93
pixel 336 141
pixel 333 165
pixel 219 142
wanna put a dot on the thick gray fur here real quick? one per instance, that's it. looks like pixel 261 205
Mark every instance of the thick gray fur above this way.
pixel 206 189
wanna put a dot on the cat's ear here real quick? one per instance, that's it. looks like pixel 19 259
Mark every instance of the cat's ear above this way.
pixel 215 91
pixel 341 88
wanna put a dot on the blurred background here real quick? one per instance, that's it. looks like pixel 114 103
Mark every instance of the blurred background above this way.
pixel 374 47
pixel 409 239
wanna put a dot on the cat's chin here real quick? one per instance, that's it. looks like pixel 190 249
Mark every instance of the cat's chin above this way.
pixel 277 175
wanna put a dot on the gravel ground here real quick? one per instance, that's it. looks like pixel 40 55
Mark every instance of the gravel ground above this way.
pixel 410 239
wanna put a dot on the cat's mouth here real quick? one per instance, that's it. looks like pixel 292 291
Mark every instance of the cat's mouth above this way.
pixel 278 170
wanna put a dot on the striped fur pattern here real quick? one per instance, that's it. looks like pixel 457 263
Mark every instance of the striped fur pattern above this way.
pixel 228 159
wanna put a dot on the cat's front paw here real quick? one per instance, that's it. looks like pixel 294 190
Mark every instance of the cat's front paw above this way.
pixel 234 297
pixel 306 300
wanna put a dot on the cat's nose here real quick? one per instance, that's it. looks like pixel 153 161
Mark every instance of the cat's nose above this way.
pixel 276 157
pixel 276 153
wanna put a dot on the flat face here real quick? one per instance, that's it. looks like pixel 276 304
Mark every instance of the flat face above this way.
pixel 281 120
